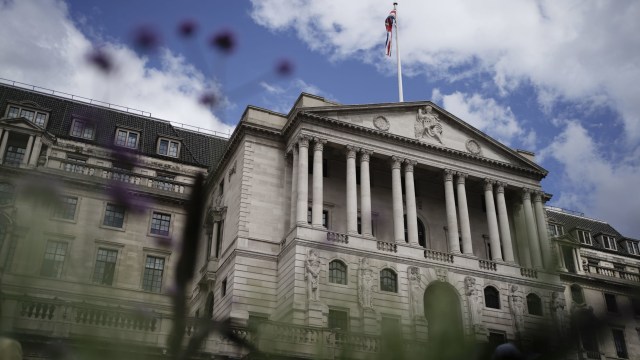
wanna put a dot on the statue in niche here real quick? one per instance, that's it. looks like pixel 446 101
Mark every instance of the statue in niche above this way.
pixel 557 311
pixel 415 292
pixel 312 275
pixel 366 284
pixel 428 124
pixel 474 299
pixel 516 306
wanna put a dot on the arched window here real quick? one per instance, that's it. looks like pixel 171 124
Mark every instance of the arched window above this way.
pixel 337 272
pixel 534 304
pixel 388 280
pixel 422 234
pixel 576 294
pixel 491 297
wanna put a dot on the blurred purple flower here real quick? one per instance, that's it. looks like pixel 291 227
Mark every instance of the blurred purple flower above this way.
pixel 187 28
pixel 284 67
pixel 146 38
pixel 101 60
pixel 224 41
pixel 209 99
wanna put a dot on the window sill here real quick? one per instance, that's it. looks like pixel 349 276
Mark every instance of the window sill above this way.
pixel 346 286
pixel 123 229
pixel 70 221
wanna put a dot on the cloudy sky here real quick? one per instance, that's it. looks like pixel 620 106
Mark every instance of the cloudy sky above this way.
pixel 557 77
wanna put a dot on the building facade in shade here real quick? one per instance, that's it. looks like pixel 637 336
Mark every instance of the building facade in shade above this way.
pixel 326 221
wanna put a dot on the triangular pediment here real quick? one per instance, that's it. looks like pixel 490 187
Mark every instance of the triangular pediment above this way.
pixel 426 123
pixel 21 123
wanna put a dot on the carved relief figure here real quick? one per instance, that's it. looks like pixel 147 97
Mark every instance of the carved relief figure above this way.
pixel 415 292
pixel 312 275
pixel 516 306
pixel 557 311
pixel 366 284
pixel 441 274
pixel 428 124
pixel 475 307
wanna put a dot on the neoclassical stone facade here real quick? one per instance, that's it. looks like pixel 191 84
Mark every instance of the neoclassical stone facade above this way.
pixel 325 227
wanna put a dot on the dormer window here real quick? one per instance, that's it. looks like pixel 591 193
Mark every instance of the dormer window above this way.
pixel 608 242
pixel 556 230
pixel 83 129
pixel 584 237
pixel 633 247
pixel 127 138
pixel 168 147
pixel 37 117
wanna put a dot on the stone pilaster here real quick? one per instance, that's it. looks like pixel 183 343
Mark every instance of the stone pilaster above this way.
pixel 303 179
pixel 294 185
pixel 450 205
pixel 541 222
pixel 534 244
pixel 463 213
pixel 317 196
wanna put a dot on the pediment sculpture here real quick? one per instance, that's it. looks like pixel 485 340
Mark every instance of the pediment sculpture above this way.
pixel 428 124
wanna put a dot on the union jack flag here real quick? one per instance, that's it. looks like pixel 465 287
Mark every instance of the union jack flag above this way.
pixel 388 23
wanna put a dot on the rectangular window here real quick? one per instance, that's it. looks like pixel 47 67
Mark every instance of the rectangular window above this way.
pixel 168 147
pixel 556 230
pixel 13 112
pixel 66 208
pixel 14 155
pixel 608 242
pixel 584 237
pixel 114 216
pixel 82 129
pixel 127 138
pixel 153 269
pixel 160 223
pixel 633 247
pixel 496 339
pixel 612 304
pixel 105 266
pixel 36 117
pixel 621 345
pixel 53 259
pixel 41 119
pixel 28 114
pixel 223 287
pixel 338 320
pixel 635 304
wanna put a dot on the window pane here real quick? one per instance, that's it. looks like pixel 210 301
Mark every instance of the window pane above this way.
pixel 153 269
pixel 164 145
pixel 338 272
pixel 66 208
pixel 53 259
pixel 114 216
pixel 14 155
pixel 338 320
pixel 132 140
pixel 121 138
pixel 105 266
pixel 491 297
pixel 621 345
pixel 534 304
pixel 160 223
pixel 612 304
pixel 388 281
pixel 13 112
pixel 40 119
pixel 173 149
pixel 28 114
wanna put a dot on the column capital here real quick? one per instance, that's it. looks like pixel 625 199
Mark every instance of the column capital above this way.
pixel 488 184
pixel 448 174
pixel 409 164
pixel 365 155
pixel 318 144
pixel 396 162
pixel 460 177
pixel 537 196
pixel 303 140
pixel 500 187
pixel 351 151
pixel 526 194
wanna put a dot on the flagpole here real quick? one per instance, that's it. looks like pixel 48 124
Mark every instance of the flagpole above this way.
pixel 398 56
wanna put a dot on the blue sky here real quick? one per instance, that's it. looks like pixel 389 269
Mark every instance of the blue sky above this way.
pixel 557 77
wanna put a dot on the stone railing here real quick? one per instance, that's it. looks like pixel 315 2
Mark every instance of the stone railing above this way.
pixel 123 176
pixel 488 265
pixel 337 237
pixel 605 271
pixel 35 309
pixel 526 272
pixel 115 319
pixel 438 256
pixel 387 246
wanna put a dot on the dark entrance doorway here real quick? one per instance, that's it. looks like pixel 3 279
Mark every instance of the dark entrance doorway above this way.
pixel 442 311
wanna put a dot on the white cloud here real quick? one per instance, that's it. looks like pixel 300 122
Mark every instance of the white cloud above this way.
pixel 591 183
pixel 281 97
pixel 487 115
pixel 43 46
pixel 569 50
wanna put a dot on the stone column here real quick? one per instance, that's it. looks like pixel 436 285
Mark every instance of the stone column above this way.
pixel 396 190
pixel 463 214
pixel 27 153
pixel 294 185
pixel 303 179
pixel 214 238
pixel 410 193
pixel 534 245
pixel 545 247
pixel 505 233
pixel 352 196
pixel 365 193
pixel 492 221
pixel 452 221
pixel 35 153
pixel 316 209
pixel 3 145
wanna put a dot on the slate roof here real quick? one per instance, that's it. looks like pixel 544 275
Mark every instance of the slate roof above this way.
pixel 595 227
pixel 197 148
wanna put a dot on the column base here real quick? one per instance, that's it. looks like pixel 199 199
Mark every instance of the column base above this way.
pixel 351 232
pixel 318 226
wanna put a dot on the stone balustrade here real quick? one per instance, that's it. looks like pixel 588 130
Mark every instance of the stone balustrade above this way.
pixel 123 176
pixel 610 272
pixel 438 256
pixel 337 237
pixel 387 246
pixel 526 272
pixel 488 265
